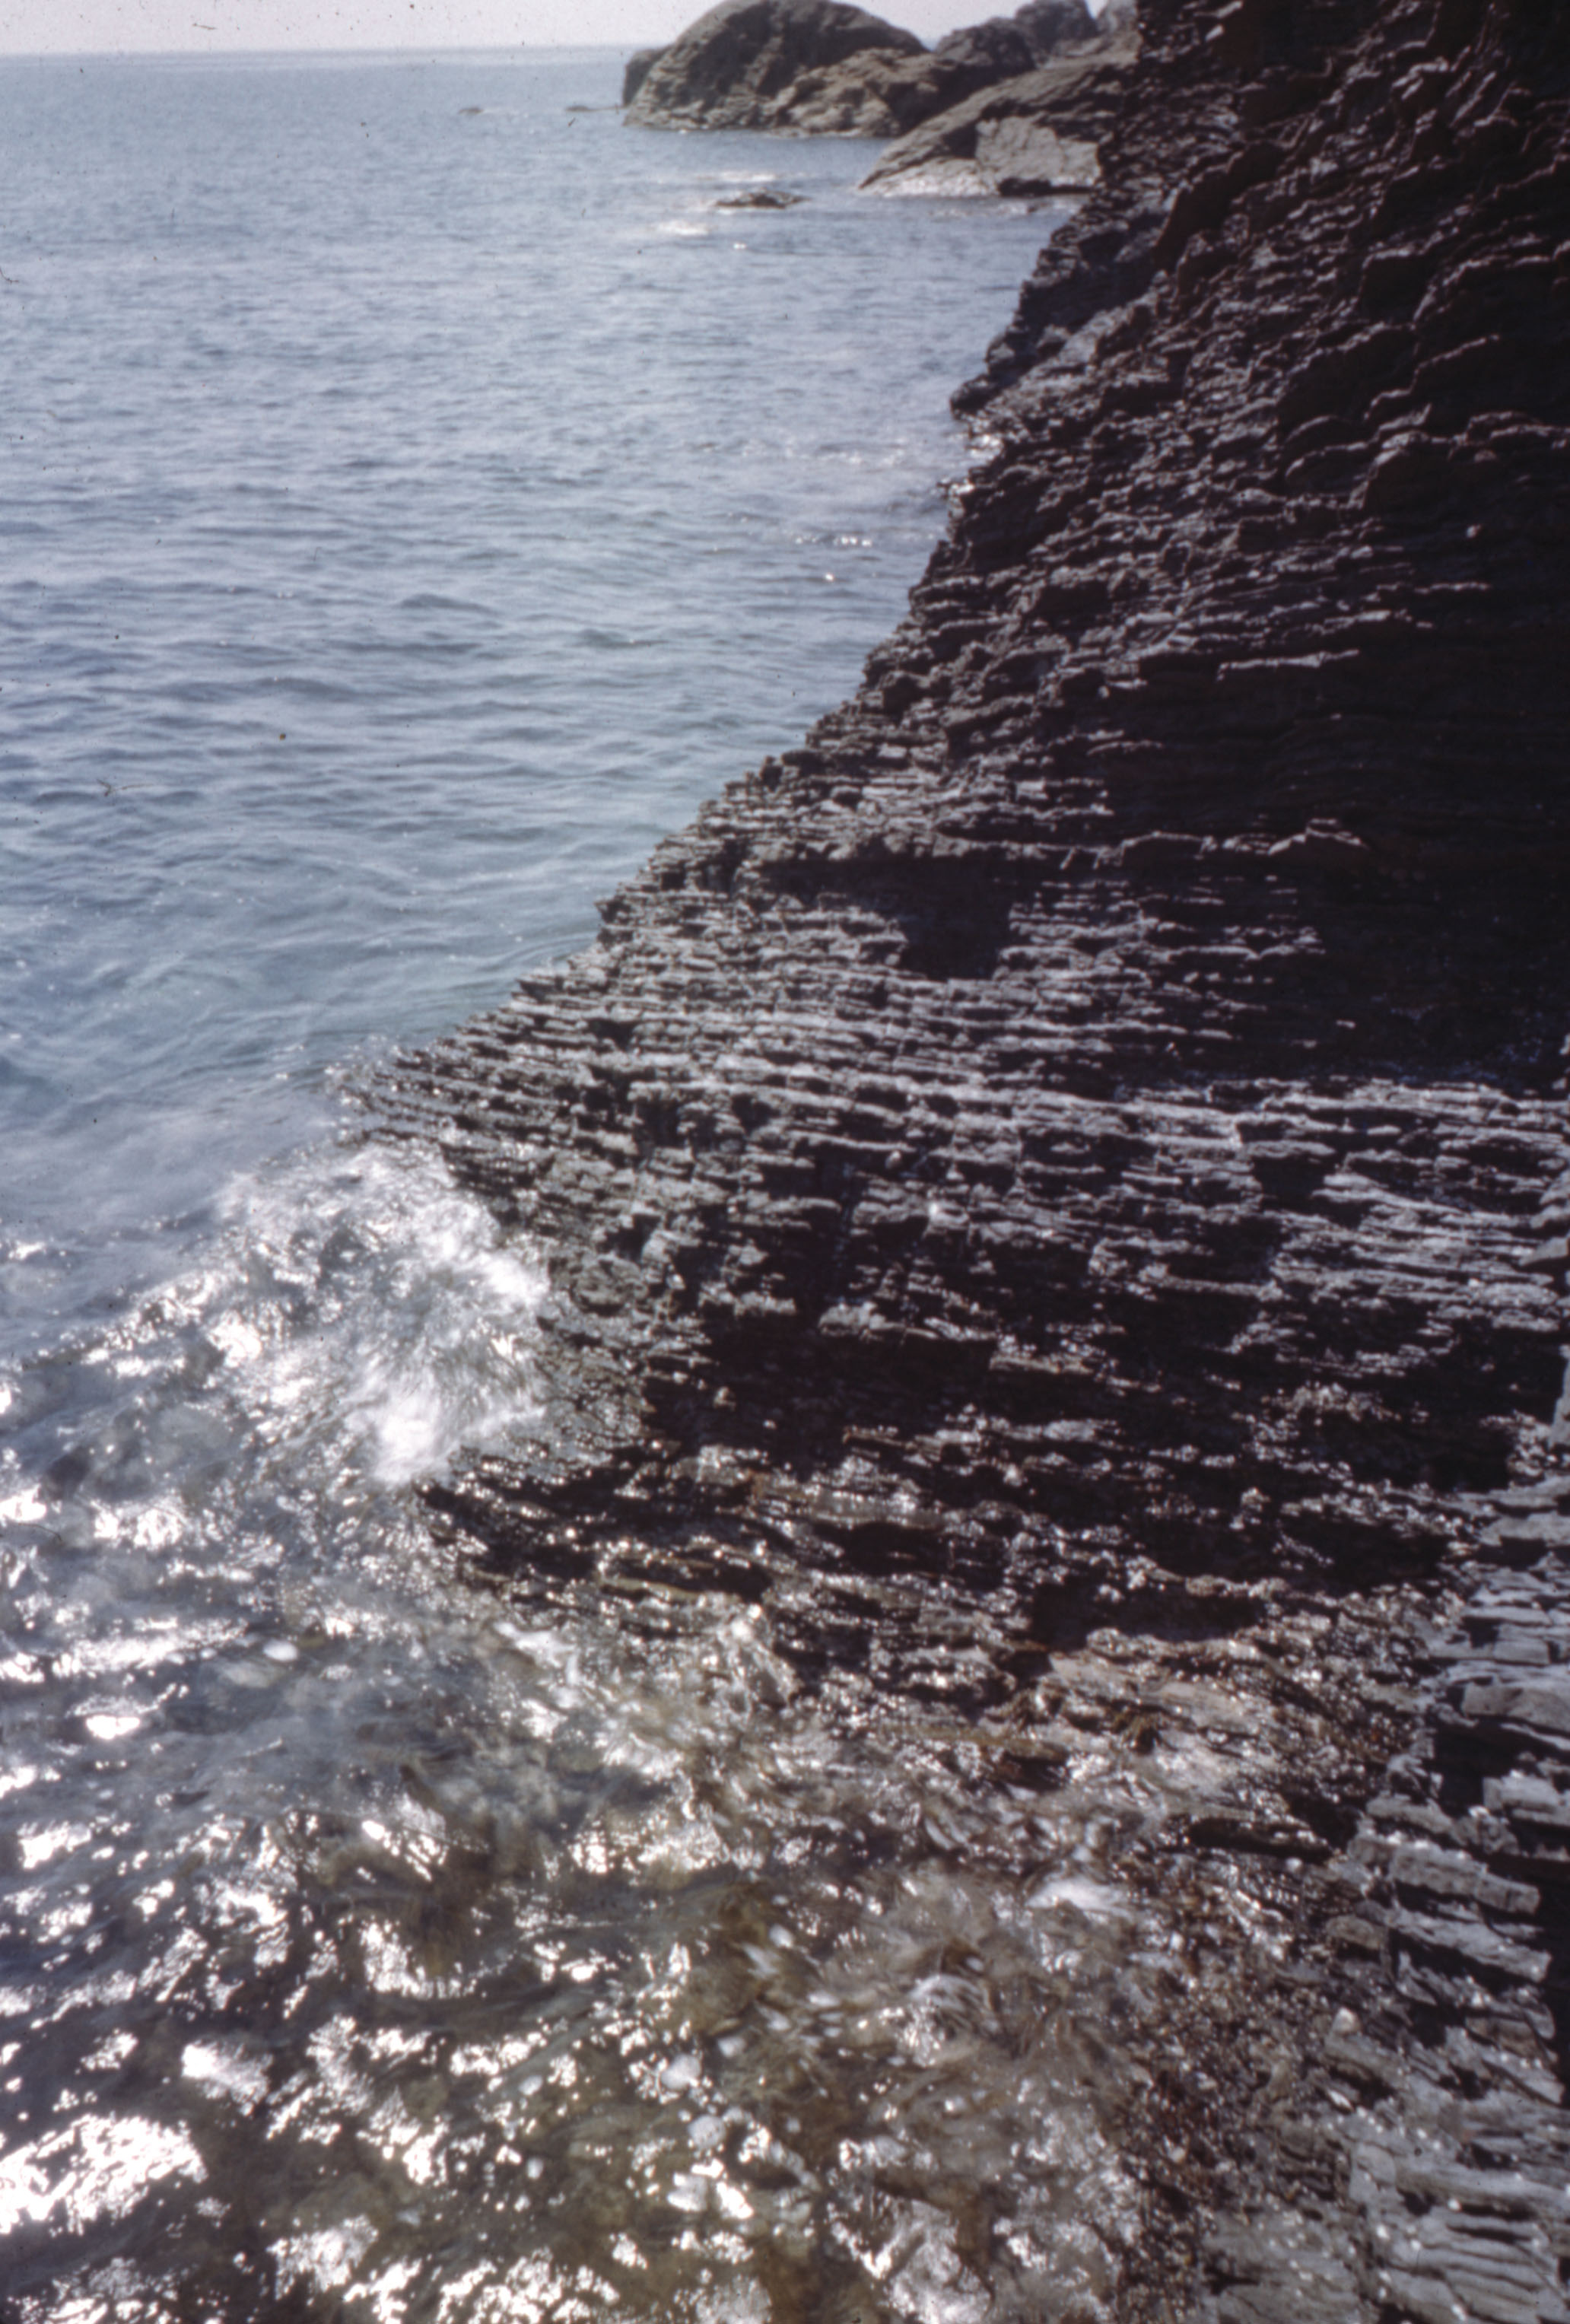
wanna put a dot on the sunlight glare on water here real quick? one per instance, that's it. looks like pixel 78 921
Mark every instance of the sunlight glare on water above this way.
pixel 376 1939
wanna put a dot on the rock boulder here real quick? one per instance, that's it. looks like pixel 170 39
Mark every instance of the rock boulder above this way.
pixel 735 67
pixel 1034 135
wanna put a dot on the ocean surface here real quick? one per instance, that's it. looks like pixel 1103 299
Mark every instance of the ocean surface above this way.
pixel 421 491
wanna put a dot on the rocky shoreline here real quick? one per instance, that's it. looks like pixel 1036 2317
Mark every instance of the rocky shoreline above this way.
pixel 1057 1189
pixel 820 68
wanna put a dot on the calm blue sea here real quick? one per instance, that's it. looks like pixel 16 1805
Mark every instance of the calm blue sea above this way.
pixel 417 495
pixel 418 491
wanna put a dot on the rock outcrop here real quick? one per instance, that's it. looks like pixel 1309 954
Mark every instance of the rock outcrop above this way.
pixel 1057 1189
pixel 811 68
pixel 636 71
pixel 1032 136
pixel 1004 46
pixel 735 67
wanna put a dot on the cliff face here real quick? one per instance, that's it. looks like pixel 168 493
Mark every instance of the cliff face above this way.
pixel 1057 1190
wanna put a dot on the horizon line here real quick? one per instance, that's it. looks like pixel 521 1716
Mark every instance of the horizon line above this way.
pixel 316 49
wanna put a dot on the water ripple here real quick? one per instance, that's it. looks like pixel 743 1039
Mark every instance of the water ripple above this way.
pixel 412 512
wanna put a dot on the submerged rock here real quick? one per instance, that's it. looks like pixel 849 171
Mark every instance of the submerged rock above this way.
pixel 760 198
pixel 1058 1191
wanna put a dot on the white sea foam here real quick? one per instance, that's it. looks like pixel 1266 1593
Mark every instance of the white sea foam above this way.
pixel 364 1292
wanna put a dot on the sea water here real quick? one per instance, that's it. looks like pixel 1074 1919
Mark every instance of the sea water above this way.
pixel 421 491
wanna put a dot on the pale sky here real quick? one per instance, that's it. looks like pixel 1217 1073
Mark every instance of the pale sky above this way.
pixel 29 27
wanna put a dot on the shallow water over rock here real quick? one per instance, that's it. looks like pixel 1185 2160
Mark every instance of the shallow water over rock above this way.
pixel 382 1943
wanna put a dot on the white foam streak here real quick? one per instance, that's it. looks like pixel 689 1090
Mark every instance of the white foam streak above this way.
pixel 366 1296
pixel 109 2164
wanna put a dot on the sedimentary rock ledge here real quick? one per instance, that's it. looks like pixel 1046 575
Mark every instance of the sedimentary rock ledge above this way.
pixel 1057 1189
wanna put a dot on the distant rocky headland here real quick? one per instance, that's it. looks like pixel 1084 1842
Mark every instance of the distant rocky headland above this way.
pixel 1057 1187
pixel 1012 105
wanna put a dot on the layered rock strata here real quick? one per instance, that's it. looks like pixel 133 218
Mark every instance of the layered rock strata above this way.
pixel 1056 1189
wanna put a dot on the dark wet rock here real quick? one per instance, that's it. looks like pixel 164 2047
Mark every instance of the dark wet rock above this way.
pixel 1057 1188
pixel 1035 136
pixel 1432 2113
pixel 760 198
pixel 636 71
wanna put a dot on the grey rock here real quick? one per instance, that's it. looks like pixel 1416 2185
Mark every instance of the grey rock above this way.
pixel 1048 26
pixel 997 49
pixel 810 68
pixel 1035 136
pixel 733 68
pixel 637 70
pixel 1542 1709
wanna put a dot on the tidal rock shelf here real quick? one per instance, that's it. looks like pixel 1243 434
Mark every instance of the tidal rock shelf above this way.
pixel 1057 1190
